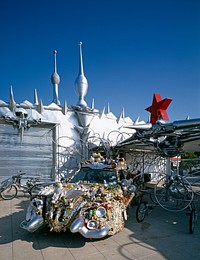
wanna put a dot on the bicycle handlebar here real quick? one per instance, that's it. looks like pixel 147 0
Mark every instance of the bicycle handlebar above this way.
pixel 18 175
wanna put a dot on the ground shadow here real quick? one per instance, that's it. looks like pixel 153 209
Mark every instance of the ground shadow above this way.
pixel 161 232
pixel 42 238
pixel 164 232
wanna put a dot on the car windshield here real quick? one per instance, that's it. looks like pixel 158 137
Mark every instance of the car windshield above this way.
pixel 95 176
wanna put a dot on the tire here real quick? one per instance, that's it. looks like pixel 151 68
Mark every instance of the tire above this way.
pixel 141 211
pixel 192 221
pixel 9 193
pixel 36 189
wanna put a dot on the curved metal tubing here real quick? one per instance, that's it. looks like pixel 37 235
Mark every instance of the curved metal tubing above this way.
pixel 33 224
pixel 78 226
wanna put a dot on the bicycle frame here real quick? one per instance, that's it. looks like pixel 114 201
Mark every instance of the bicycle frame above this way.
pixel 6 184
pixel 9 188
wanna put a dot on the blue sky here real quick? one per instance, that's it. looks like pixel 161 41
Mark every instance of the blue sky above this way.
pixel 131 50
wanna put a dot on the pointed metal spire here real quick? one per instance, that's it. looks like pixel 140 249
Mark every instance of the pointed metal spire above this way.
pixel 81 84
pixel 35 97
pixel 64 109
pixel 108 108
pixel 92 105
pixel 55 79
pixel 81 72
pixel 137 120
pixel 122 115
pixel 40 107
pixel 12 104
pixel 102 113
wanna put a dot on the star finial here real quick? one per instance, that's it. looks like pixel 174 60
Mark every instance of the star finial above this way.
pixel 158 108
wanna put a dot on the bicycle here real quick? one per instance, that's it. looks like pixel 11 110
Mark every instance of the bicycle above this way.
pixel 194 179
pixel 174 193
pixel 38 186
pixel 144 208
pixel 10 187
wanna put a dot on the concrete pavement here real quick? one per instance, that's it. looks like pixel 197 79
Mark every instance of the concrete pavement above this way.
pixel 162 235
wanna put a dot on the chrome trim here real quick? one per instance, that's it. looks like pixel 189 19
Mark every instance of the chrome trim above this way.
pixel 78 226
pixel 33 224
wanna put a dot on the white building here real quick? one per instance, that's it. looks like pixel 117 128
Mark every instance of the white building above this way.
pixel 44 140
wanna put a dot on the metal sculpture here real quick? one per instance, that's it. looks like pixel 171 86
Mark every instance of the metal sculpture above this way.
pixel 93 202
pixel 167 139
pixel 158 108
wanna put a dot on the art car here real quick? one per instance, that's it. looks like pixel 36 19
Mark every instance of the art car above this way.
pixel 93 202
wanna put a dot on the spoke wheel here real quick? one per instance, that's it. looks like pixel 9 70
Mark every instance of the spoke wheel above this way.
pixel 141 211
pixel 36 189
pixel 175 195
pixel 9 193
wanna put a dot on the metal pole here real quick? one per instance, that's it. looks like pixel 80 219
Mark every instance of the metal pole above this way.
pixel 168 166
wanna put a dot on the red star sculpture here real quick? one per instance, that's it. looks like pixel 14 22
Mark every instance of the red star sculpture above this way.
pixel 158 108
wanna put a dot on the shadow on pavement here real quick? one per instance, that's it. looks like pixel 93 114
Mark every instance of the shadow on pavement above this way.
pixel 162 233
pixel 42 238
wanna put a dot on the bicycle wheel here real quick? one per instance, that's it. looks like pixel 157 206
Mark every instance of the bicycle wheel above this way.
pixel 9 193
pixel 192 220
pixel 141 211
pixel 173 195
pixel 36 189
pixel 194 181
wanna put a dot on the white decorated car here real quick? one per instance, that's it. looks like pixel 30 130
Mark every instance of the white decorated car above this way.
pixel 93 202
